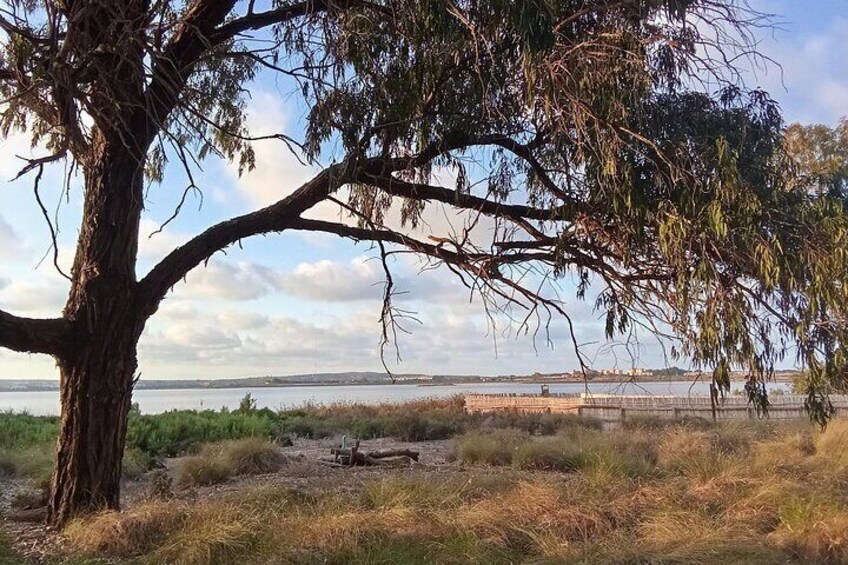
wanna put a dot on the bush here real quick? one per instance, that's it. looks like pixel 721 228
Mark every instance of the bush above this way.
pixel 216 463
pixel 489 448
pixel 534 424
pixel 135 463
pixel 549 454
pixel 24 430
pixel 369 428
pixel 173 433
pixel 199 471
pixel 303 426
pixel 418 427
pixel 35 463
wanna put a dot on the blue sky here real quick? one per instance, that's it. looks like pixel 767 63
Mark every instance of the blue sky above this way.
pixel 304 303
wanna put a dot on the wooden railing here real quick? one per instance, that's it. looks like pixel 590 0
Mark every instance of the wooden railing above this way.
pixel 619 407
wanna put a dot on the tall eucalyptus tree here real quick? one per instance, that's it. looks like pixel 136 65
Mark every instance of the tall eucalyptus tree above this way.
pixel 594 157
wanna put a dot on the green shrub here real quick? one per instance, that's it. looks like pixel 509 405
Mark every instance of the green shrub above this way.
pixel 421 427
pixel 201 471
pixel 173 433
pixel 25 430
pixel 135 463
pixel 369 428
pixel 534 424
pixel 549 454
pixel 35 462
pixel 304 426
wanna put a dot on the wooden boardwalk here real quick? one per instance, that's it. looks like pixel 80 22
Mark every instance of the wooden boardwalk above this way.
pixel 617 408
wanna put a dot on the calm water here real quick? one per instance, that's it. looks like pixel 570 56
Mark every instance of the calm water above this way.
pixel 155 401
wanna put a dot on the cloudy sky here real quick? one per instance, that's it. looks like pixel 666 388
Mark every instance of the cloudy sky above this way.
pixel 303 303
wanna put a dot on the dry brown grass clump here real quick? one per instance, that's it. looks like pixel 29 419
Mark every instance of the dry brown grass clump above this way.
pixel 216 463
pixel 126 534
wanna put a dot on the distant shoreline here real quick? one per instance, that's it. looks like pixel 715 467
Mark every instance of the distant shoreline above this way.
pixel 211 385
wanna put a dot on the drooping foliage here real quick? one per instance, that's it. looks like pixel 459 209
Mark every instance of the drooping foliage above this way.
pixel 679 204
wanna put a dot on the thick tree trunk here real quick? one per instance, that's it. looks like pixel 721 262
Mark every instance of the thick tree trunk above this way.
pixel 97 375
pixel 96 393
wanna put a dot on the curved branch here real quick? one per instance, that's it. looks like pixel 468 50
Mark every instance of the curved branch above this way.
pixel 274 218
pixel 202 29
pixel 397 187
pixel 172 69
pixel 30 335
pixel 255 21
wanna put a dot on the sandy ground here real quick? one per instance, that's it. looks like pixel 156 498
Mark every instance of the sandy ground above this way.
pixel 35 541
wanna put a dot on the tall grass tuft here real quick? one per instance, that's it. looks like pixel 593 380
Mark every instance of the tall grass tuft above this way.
pixel 216 463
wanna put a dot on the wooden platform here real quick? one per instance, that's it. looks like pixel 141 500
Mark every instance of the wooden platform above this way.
pixel 616 408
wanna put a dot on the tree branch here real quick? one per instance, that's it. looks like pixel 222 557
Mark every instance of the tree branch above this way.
pixel 274 218
pixel 397 187
pixel 255 21
pixel 29 335
pixel 203 29
pixel 172 69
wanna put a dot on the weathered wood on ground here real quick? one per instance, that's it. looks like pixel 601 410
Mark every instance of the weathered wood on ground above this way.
pixel 349 456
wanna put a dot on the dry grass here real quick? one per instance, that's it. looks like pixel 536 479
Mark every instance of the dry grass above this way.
pixel 216 463
pixel 675 495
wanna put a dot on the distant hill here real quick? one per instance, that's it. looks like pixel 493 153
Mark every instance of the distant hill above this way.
pixel 346 378
pixel 374 378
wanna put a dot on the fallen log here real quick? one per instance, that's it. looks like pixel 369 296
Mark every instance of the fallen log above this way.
pixel 330 463
pixel 399 461
pixel 394 453
pixel 348 456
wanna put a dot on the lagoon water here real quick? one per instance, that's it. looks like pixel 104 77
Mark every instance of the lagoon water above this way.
pixel 156 401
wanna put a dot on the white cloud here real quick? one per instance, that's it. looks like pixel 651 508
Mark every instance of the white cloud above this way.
pixel 450 340
pixel 153 245
pixel 240 320
pixel 178 310
pixel 278 172
pixel 181 342
pixel 227 281
pixel 11 245
pixel 33 299
pixel 814 71
pixel 363 279
pixel 331 281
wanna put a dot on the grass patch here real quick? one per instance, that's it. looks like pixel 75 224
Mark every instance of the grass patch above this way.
pixel 488 448
pixel 27 442
pixel 35 463
pixel 549 454
pixel 7 555
pixel 216 463
pixel 609 454
pixel 646 495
